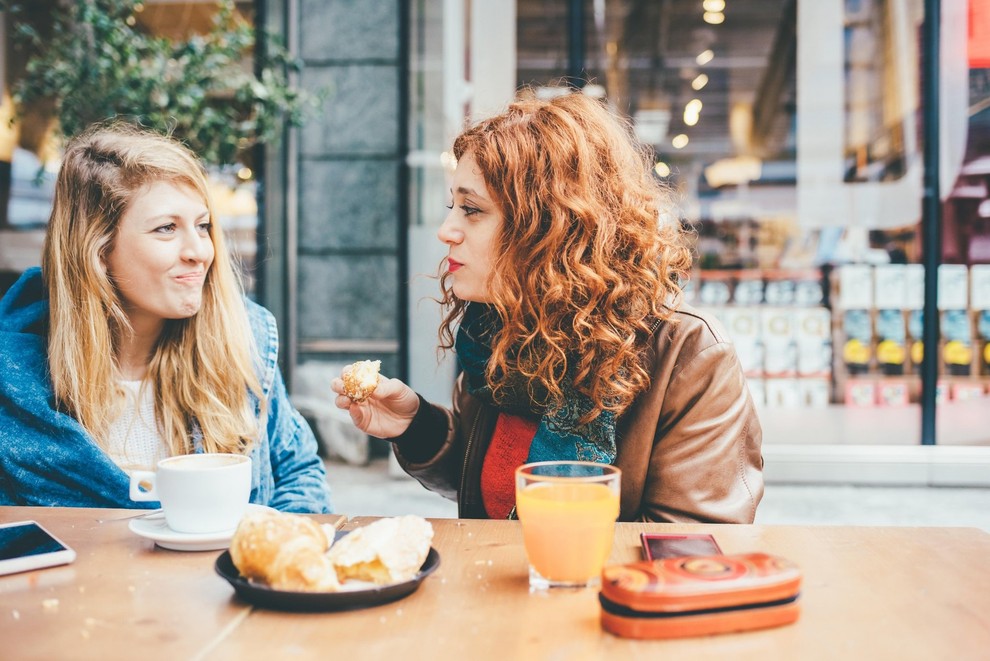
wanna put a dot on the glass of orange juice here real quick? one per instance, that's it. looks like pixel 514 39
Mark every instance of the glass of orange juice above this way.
pixel 568 511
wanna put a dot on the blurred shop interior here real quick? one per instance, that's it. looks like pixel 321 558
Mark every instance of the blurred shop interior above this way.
pixel 790 131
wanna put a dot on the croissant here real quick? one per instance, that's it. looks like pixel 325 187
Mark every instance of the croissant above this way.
pixel 285 551
pixel 300 566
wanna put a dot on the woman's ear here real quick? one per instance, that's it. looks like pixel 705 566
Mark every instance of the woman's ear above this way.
pixel 102 255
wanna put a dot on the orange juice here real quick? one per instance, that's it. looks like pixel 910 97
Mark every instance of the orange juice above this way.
pixel 567 528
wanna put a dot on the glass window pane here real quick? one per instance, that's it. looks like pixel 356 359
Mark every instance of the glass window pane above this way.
pixel 791 134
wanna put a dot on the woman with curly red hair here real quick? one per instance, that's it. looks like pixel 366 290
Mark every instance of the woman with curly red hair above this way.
pixel 563 300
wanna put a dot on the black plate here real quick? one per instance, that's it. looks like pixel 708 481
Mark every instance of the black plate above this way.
pixel 266 597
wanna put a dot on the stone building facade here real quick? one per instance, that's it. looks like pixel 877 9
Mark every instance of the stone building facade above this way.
pixel 333 213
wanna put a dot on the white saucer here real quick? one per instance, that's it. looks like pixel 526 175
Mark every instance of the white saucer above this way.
pixel 155 528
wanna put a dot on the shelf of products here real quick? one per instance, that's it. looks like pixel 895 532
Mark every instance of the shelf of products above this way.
pixel 782 329
pixel 786 323
pixel 878 326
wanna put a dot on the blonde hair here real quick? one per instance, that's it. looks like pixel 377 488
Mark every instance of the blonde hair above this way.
pixel 201 367
pixel 584 268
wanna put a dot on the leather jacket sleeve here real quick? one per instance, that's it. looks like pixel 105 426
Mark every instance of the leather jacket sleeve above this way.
pixel 705 462
pixel 431 449
pixel 690 448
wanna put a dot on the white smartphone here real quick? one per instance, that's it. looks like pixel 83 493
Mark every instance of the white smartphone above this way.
pixel 25 545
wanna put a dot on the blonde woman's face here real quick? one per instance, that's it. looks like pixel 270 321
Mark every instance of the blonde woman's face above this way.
pixel 470 232
pixel 161 254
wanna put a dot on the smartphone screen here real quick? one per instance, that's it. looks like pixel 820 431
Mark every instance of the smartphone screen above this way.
pixel 26 545
pixel 657 546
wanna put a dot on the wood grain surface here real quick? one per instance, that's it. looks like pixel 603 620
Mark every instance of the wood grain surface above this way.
pixel 868 593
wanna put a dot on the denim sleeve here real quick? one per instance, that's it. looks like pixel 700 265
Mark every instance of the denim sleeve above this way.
pixel 6 497
pixel 300 479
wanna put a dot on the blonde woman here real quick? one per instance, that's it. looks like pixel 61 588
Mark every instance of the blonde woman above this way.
pixel 133 341
pixel 573 342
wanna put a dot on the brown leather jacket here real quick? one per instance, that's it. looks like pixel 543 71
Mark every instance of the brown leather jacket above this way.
pixel 688 448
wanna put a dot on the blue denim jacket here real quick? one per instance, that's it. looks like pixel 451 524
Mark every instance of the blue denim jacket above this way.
pixel 47 458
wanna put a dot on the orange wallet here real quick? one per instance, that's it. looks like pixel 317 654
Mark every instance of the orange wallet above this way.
pixel 699 595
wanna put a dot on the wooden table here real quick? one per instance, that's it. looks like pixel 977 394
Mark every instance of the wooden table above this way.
pixel 869 593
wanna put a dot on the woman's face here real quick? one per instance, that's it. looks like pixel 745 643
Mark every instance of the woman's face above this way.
pixel 470 232
pixel 161 254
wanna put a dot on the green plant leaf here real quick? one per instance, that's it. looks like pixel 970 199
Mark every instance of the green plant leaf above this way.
pixel 99 64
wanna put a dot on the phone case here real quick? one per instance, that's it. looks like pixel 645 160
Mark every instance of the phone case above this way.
pixel 657 546
pixel 694 596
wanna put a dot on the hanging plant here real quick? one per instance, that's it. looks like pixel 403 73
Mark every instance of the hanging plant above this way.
pixel 98 63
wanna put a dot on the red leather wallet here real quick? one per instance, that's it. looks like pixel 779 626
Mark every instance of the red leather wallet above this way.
pixel 699 595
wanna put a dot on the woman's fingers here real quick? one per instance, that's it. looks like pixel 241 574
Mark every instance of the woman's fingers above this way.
pixel 385 413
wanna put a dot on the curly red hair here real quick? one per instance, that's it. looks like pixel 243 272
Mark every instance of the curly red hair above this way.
pixel 585 268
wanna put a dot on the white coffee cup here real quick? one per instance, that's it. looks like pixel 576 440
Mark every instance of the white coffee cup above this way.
pixel 199 493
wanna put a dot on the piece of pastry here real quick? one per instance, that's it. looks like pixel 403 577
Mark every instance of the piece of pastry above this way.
pixel 301 566
pixel 384 552
pixel 276 547
pixel 361 379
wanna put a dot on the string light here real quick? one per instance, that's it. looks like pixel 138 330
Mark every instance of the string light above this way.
pixel 680 141
pixel 699 82
pixel 714 17
pixel 692 111
pixel 704 57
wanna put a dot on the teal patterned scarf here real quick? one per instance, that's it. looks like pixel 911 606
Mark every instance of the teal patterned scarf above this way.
pixel 559 435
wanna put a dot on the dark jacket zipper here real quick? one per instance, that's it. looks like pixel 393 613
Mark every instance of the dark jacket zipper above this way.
pixel 467 457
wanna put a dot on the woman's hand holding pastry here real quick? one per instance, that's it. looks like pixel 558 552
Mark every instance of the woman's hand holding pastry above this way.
pixel 385 412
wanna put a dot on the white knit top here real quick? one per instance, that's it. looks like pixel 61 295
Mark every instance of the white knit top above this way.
pixel 133 441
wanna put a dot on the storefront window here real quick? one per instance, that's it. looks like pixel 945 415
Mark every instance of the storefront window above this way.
pixel 804 186
pixel 791 133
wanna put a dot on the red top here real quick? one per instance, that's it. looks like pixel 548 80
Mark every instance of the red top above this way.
pixel 508 451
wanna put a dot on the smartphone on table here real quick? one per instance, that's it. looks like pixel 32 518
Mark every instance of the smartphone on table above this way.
pixel 26 545
pixel 657 546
